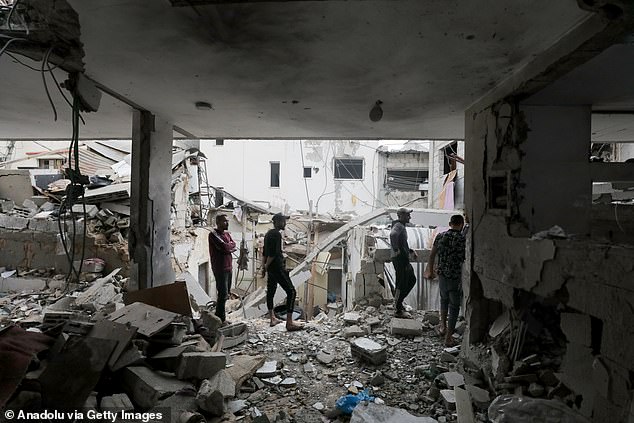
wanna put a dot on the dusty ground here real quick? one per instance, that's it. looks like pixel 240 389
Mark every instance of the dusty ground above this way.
pixel 403 381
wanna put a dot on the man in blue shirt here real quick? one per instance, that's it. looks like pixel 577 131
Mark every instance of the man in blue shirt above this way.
pixel 449 246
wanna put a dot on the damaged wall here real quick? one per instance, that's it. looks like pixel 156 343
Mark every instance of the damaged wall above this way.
pixel 529 170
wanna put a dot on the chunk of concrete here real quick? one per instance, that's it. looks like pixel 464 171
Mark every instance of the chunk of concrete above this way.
pixel 479 396
pixel 352 318
pixel 463 406
pixel 373 413
pixel 448 397
pixel 117 402
pixel 213 403
pixel 368 350
pixel 147 387
pixel 268 369
pixel 200 365
pixel 215 390
pixel 353 332
pixel 453 379
pixel 407 327
pixel 325 357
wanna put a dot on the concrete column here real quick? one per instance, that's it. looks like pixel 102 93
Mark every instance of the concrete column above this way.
pixel 150 201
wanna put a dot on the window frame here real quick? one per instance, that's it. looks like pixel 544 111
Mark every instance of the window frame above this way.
pixel 334 168
pixel 279 174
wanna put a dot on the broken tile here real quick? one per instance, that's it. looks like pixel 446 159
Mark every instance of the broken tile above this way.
pixel 268 369
pixel 453 379
pixel 448 397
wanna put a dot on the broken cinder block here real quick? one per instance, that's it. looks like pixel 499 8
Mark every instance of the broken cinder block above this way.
pixel 368 350
pixel 147 387
pixel 200 365
pixel 407 327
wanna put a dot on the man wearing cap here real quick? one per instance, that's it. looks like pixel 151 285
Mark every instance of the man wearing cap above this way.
pixel 274 264
pixel 221 245
pixel 405 276
pixel 449 246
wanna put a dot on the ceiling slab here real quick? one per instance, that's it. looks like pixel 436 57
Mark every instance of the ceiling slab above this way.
pixel 293 69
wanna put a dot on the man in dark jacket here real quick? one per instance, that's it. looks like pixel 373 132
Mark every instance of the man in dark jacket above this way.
pixel 449 246
pixel 274 263
pixel 221 245
pixel 405 276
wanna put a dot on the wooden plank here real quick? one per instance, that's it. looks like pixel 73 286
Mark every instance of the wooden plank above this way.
pixel 463 406
pixel 147 319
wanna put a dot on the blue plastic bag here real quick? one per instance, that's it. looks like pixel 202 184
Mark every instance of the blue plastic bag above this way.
pixel 347 403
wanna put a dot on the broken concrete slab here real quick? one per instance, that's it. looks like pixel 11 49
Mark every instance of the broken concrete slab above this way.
pixel 148 319
pixel 100 293
pixel 130 357
pixel 448 397
pixel 268 369
pixel 452 379
pixel 479 396
pixel 168 358
pixel 352 318
pixel 353 332
pixel 289 382
pixel 368 350
pixel 373 413
pixel 147 387
pixel 220 387
pixel 117 403
pixel 200 365
pixel 243 367
pixel 172 297
pixel 325 357
pixel 463 406
pixel 122 334
pixel 407 327
pixel 86 357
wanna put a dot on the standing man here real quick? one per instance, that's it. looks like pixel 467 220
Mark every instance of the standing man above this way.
pixel 449 246
pixel 274 263
pixel 405 276
pixel 221 245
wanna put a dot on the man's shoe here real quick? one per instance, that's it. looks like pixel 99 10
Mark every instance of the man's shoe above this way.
pixel 402 314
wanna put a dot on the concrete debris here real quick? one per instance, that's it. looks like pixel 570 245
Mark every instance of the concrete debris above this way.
pixel 353 332
pixel 352 318
pixel 200 365
pixel 372 413
pixel 269 369
pixel 117 403
pixel 407 327
pixel 368 350
pixel 147 387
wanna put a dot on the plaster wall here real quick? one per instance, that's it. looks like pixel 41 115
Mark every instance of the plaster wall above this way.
pixel 586 276
pixel 242 167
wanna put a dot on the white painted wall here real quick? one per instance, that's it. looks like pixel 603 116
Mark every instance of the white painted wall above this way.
pixel 21 148
pixel 242 167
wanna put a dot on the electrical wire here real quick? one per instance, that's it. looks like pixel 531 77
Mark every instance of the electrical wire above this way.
pixel 11 55
pixel 59 88
pixel 48 94
pixel 6 45
pixel 13 7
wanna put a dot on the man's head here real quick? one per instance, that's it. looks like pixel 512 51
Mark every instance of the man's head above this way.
pixel 222 223
pixel 279 220
pixel 404 215
pixel 456 222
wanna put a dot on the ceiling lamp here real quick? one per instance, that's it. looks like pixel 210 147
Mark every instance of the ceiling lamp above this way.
pixel 377 112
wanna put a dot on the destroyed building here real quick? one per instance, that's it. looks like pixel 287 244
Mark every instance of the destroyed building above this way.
pixel 541 95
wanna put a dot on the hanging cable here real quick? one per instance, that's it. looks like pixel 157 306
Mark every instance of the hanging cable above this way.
pixel 48 94
pixel 301 149
pixel 6 45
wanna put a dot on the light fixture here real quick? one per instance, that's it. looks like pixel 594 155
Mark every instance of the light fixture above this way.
pixel 203 105
pixel 377 112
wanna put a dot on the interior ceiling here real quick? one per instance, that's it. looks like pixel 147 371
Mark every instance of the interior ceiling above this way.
pixel 291 69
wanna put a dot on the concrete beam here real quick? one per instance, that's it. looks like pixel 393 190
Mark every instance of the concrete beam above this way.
pixel 150 200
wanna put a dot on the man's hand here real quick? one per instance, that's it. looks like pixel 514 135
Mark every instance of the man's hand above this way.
pixel 429 274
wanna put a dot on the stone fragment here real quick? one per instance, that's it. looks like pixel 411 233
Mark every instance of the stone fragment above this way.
pixel 445 357
pixel 407 327
pixel 352 318
pixel 353 332
pixel 453 379
pixel 431 317
pixel 268 369
pixel 147 387
pixel 236 406
pixel 373 413
pixel 288 382
pixel 536 390
pixel 318 406
pixel 309 368
pixel 368 350
pixel 213 403
pixel 448 397
pixel 222 382
pixel 464 408
pixel 325 357
pixel 377 379
pixel 373 321
pixel 117 402
pixel 200 365
pixel 273 381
